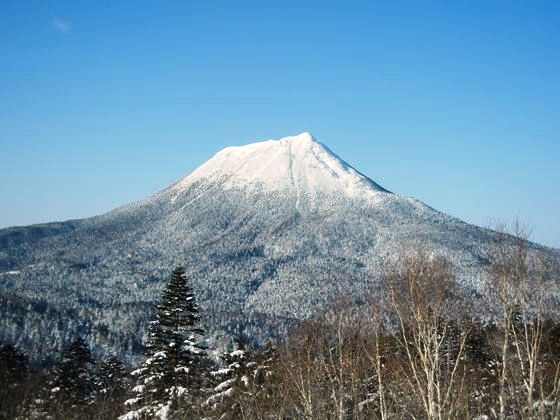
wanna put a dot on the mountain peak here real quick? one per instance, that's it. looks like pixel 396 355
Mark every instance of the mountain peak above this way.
pixel 303 137
pixel 298 164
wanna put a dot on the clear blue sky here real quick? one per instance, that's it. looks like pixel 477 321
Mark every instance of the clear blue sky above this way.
pixel 456 103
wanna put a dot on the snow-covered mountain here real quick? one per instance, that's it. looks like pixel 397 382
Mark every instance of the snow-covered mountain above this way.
pixel 269 232
pixel 299 165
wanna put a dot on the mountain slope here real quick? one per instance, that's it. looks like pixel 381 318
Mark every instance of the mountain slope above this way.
pixel 268 232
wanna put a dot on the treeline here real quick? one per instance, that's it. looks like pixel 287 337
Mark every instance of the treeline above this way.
pixel 78 386
pixel 417 350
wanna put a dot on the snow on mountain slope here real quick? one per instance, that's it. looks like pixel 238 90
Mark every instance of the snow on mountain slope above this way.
pixel 297 163
pixel 268 233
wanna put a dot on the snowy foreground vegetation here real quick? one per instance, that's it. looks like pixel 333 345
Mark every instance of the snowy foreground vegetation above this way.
pixel 416 350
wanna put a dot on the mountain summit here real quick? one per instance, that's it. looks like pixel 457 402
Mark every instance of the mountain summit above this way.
pixel 297 163
pixel 269 233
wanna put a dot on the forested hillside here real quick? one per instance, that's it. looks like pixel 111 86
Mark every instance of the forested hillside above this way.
pixel 418 350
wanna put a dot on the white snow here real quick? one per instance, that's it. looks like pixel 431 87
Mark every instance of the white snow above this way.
pixel 139 389
pixel 179 391
pixel 138 371
pixel 298 163
pixel 164 412
pixel 131 401
pixel 224 385
pixel 221 372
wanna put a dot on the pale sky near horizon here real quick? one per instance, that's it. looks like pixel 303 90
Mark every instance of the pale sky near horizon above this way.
pixel 454 103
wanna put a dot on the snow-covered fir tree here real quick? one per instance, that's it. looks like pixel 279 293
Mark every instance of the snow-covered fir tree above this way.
pixel 171 376
pixel 240 381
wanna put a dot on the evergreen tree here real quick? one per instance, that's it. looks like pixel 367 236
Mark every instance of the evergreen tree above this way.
pixel 171 375
pixel 241 382
pixel 110 387
pixel 14 371
pixel 73 376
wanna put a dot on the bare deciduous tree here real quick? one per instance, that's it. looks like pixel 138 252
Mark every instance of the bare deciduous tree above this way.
pixel 518 281
pixel 420 299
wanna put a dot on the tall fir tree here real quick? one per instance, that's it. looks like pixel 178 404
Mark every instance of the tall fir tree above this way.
pixel 172 373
